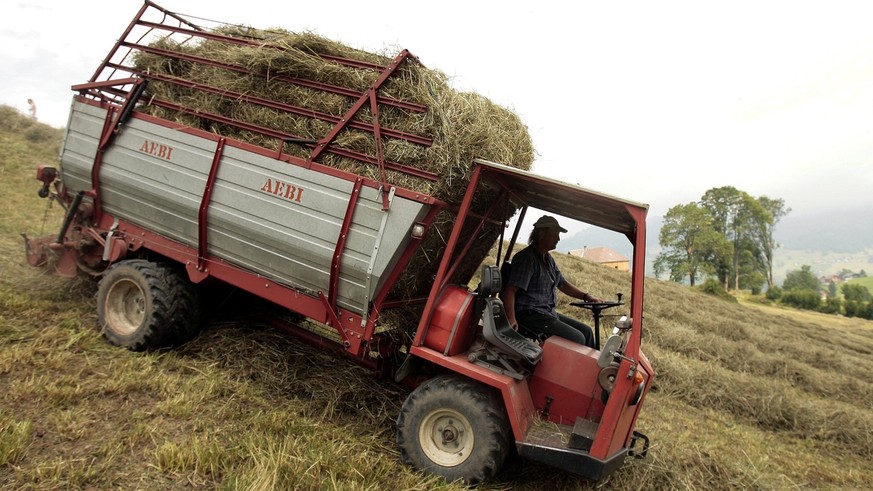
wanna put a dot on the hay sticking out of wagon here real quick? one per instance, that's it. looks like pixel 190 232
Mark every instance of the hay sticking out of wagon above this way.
pixel 462 125
pixel 294 69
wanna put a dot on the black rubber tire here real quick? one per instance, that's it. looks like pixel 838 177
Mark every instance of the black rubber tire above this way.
pixel 473 418
pixel 146 305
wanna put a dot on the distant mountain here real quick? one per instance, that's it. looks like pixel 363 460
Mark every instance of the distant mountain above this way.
pixel 827 231
pixel 597 237
pixel 829 241
pixel 845 231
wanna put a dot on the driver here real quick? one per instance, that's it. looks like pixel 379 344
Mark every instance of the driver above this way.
pixel 530 297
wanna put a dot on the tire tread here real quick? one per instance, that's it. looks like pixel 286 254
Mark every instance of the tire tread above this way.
pixel 484 400
pixel 175 309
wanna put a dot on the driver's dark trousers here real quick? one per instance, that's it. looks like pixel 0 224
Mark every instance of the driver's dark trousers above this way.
pixel 563 326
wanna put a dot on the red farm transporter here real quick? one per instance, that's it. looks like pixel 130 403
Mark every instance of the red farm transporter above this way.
pixel 155 207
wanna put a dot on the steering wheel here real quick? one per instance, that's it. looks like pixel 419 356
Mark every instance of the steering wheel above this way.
pixel 596 308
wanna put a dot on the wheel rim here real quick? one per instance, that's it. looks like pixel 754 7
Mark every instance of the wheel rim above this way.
pixel 125 307
pixel 446 437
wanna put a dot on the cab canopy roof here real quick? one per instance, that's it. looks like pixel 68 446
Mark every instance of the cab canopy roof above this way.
pixel 567 200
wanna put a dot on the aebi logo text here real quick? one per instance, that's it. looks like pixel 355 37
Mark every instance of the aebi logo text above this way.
pixel 282 190
pixel 156 149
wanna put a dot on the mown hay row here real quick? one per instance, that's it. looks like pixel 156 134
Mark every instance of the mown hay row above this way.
pixel 770 403
pixel 807 367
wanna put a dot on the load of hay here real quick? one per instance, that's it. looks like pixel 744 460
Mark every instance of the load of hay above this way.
pixel 461 125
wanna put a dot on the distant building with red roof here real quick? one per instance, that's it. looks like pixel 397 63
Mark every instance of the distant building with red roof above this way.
pixel 604 256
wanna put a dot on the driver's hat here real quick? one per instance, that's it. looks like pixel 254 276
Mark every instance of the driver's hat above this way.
pixel 547 221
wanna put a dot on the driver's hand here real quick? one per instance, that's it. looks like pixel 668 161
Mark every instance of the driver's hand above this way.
pixel 593 299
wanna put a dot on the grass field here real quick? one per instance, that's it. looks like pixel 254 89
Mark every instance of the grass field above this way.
pixel 746 396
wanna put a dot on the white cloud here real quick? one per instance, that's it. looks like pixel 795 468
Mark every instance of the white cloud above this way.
pixel 653 101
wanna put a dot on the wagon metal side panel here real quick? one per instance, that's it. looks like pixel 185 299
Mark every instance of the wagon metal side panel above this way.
pixel 80 146
pixel 284 221
pixel 279 220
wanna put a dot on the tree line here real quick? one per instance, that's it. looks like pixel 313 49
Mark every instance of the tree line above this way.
pixel 726 238
pixel 803 290
pixel 727 235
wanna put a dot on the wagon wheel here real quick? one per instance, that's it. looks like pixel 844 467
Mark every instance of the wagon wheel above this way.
pixel 143 305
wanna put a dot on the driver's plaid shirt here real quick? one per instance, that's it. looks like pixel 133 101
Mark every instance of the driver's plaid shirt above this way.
pixel 536 278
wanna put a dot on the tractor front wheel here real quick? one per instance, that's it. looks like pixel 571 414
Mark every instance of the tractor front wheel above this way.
pixel 455 428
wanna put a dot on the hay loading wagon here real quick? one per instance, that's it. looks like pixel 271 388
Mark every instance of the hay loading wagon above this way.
pixel 361 252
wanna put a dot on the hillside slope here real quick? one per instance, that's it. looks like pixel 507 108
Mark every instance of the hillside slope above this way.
pixel 745 397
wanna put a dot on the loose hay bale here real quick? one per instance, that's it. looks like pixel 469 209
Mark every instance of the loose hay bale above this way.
pixel 461 125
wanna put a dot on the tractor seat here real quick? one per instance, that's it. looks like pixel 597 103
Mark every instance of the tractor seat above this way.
pixel 495 324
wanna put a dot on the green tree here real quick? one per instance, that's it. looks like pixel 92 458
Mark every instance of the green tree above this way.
pixel 856 308
pixel 689 243
pixel 722 205
pixel 748 224
pixel 801 298
pixel 800 289
pixel 855 292
pixel 802 279
pixel 750 276
pixel 763 229
pixel 832 305
pixel 747 250
pixel 774 293
pixel 738 250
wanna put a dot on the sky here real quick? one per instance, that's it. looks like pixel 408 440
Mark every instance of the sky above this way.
pixel 655 102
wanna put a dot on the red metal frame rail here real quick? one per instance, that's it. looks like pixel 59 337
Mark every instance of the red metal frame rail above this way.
pixel 174 24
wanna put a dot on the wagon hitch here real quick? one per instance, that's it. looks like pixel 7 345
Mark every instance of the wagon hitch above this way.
pixel 37 250
pixel 633 443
